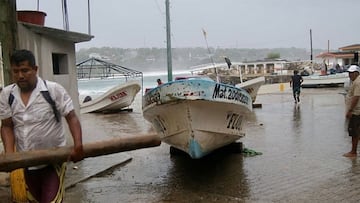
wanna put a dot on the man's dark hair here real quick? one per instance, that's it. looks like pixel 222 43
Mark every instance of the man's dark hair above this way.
pixel 22 55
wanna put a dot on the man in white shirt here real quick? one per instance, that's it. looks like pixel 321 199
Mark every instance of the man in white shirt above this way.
pixel 30 113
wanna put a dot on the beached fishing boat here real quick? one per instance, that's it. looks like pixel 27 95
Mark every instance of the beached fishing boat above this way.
pixel 118 96
pixel 115 99
pixel 197 115
pixel 331 80
pixel 252 86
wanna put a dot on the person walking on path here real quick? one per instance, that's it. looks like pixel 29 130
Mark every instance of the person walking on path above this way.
pixel 295 83
pixel 353 109
pixel 30 113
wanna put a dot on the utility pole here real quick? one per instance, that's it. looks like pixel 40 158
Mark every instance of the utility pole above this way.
pixel 311 52
pixel 89 20
pixel 8 35
pixel 168 41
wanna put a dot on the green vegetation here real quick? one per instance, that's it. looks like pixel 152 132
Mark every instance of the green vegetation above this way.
pixel 273 55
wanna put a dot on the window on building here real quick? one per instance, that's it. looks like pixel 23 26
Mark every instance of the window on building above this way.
pixel 60 64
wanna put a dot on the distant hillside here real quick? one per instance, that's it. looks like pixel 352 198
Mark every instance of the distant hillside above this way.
pixel 154 59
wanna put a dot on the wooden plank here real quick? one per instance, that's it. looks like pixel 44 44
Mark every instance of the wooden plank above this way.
pixel 9 162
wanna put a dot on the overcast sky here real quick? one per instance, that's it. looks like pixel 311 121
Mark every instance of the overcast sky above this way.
pixel 228 23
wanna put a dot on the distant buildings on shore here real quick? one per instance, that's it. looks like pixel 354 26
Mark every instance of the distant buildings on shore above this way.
pixel 345 56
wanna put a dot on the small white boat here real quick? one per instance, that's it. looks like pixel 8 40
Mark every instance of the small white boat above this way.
pixel 115 99
pixel 337 79
pixel 197 115
pixel 252 86
pixel 122 93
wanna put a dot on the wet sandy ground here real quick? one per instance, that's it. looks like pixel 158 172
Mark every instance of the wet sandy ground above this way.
pixel 302 160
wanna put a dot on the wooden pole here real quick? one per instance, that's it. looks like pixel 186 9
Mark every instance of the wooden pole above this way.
pixel 8 35
pixel 9 162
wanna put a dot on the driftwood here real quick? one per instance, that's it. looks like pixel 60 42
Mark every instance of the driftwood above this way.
pixel 9 162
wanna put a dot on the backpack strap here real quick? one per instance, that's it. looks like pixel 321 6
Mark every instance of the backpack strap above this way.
pixel 11 97
pixel 48 98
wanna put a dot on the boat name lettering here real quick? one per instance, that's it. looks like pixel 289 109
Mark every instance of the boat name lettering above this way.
pixel 234 121
pixel 226 92
pixel 118 95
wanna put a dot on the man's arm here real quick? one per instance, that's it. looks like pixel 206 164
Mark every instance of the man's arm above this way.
pixel 7 135
pixel 75 129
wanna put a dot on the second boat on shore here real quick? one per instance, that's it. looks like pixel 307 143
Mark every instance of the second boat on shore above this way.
pixel 252 86
pixel 332 80
pixel 118 96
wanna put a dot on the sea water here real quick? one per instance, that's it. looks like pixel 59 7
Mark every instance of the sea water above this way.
pixel 97 87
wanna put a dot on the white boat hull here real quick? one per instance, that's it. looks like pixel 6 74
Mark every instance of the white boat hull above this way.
pixel 337 79
pixel 115 99
pixel 195 116
pixel 252 86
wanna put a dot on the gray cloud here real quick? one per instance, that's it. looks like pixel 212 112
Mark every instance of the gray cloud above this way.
pixel 228 23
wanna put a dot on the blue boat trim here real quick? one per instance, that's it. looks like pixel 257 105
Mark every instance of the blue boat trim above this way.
pixel 195 150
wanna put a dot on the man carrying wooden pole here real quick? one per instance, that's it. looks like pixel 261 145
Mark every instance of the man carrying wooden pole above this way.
pixel 31 112
pixel 31 121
